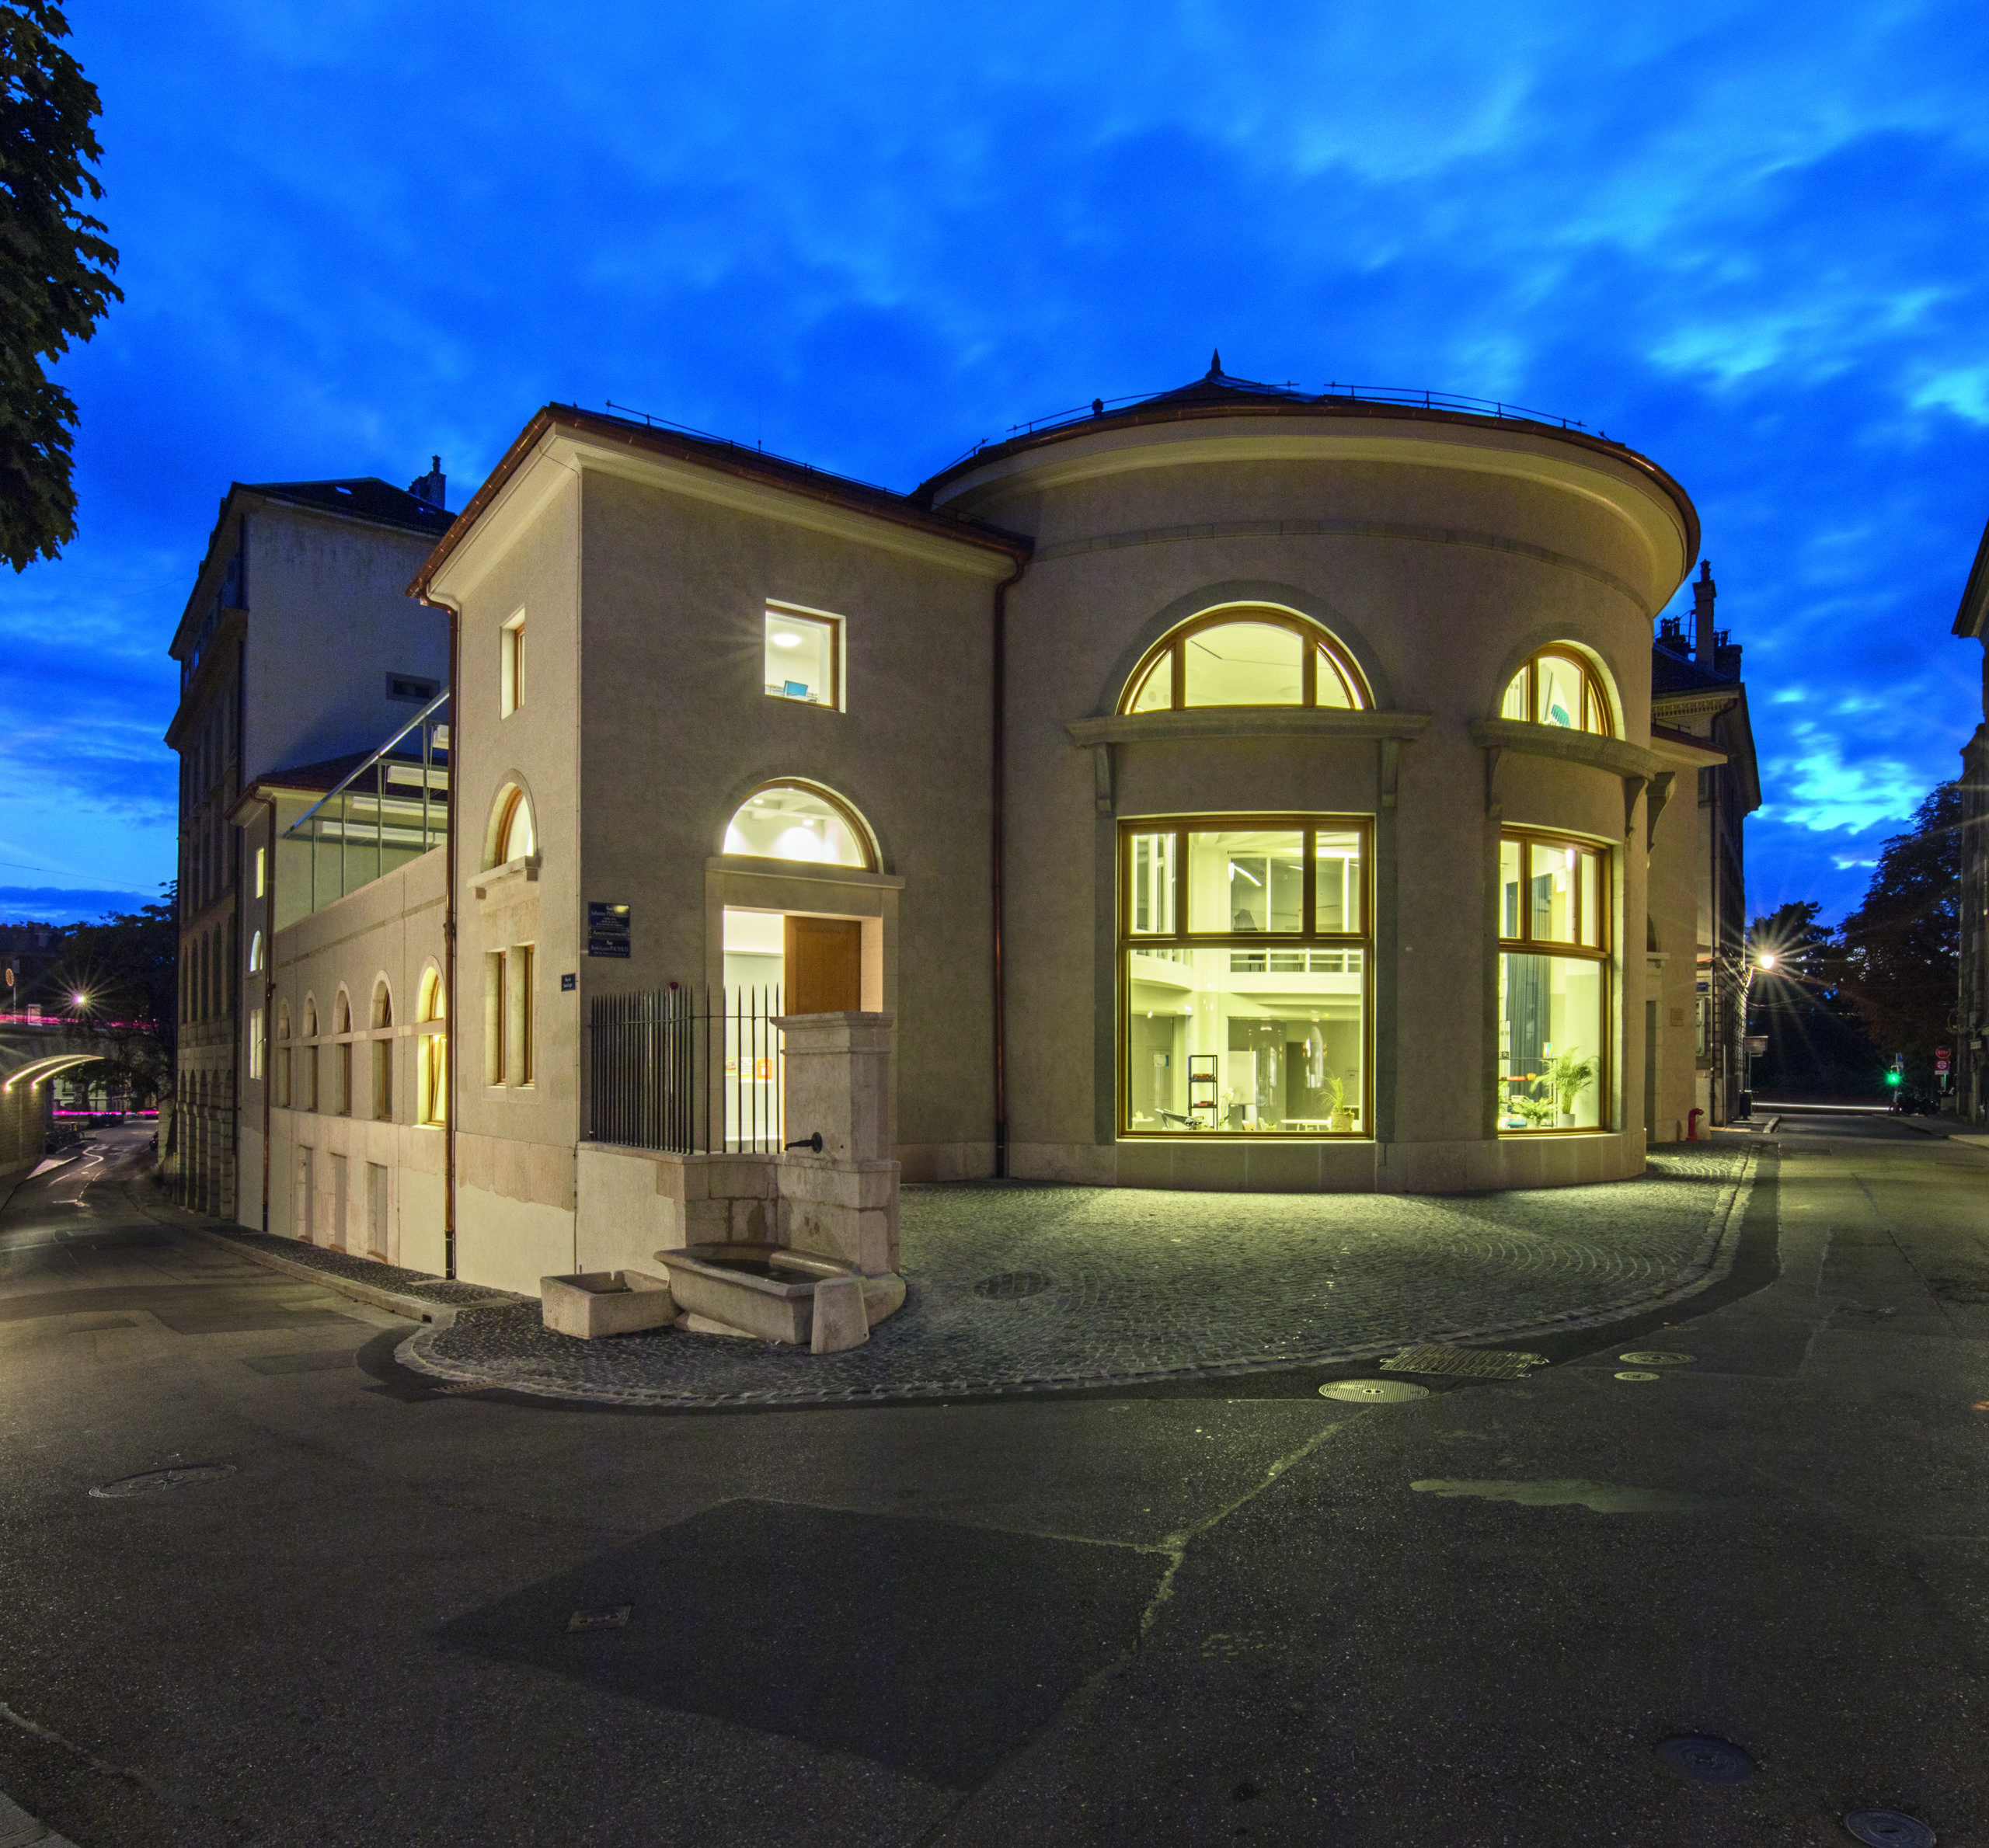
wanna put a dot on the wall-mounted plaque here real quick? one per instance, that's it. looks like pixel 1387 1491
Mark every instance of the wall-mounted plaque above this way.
pixel 608 929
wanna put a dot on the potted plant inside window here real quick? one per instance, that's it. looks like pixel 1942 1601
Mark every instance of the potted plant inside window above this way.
pixel 1567 1078
pixel 1535 1112
pixel 1512 1115
pixel 1338 1117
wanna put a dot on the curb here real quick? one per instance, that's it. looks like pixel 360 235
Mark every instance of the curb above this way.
pixel 440 1315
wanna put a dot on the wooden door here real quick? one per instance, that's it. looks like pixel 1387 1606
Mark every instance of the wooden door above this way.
pixel 824 972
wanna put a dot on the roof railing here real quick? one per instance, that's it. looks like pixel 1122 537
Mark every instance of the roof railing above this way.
pixel 1414 397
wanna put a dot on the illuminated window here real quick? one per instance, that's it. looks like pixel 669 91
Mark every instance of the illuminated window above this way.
pixel 513 835
pixel 804 656
pixel 1244 951
pixel 255 953
pixel 383 1054
pixel 511 665
pixel 1558 688
pixel 262 871
pixel 796 821
pixel 254 1042
pixel 1554 931
pixel 1245 657
pixel 432 1053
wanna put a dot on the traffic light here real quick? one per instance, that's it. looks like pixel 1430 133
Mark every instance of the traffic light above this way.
pixel 1894 1077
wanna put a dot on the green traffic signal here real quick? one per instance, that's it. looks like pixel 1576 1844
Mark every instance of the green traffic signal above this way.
pixel 1892 1077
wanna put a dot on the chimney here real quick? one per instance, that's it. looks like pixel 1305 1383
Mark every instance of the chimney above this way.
pixel 433 487
pixel 1704 590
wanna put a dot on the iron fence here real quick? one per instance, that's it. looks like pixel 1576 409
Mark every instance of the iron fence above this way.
pixel 690 1071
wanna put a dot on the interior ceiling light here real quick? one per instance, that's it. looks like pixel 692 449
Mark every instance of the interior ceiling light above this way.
pixel 787 641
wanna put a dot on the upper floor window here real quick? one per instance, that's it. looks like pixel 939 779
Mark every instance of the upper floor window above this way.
pixel 513 837
pixel 794 821
pixel 511 665
pixel 803 656
pixel 255 953
pixel 1247 656
pixel 1558 688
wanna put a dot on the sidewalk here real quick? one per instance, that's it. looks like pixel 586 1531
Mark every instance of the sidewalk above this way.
pixel 1020 1289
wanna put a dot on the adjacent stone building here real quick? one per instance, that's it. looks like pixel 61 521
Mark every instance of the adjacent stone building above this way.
pixel 298 642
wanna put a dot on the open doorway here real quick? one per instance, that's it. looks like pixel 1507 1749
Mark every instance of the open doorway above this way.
pixel 815 964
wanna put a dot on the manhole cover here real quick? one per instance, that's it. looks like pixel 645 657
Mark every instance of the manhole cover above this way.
pixel 1639 1376
pixel 1698 1755
pixel 1890 1827
pixel 1465 1363
pixel 615 1617
pixel 1373 1392
pixel 1011 1286
pixel 1640 1358
pixel 153 1481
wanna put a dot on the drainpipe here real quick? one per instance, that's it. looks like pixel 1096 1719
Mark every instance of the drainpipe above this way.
pixel 269 1005
pixel 454 1028
pixel 1001 753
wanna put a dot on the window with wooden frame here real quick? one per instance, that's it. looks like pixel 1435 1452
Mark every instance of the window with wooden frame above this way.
pixel 342 1021
pixel 511 665
pixel 1557 687
pixel 1246 655
pixel 1245 946
pixel 1554 945
pixel 803 656
pixel 432 1053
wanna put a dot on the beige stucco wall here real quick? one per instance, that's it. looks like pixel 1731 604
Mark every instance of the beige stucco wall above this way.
pixel 391 928
pixel 1458 573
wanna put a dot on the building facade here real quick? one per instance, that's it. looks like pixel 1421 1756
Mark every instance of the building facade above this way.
pixel 1699 723
pixel 297 642
pixel 1234 790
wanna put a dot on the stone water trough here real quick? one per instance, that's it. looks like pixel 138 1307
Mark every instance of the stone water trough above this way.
pixel 593 1303
pixel 780 1294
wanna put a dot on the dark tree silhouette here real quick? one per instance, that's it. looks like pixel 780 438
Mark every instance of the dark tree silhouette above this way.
pixel 1817 1045
pixel 55 272
pixel 1898 950
pixel 125 966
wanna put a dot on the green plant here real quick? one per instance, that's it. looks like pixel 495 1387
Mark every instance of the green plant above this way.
pixel 1535 1110
pixel 1336 1090
pixel 1567 1076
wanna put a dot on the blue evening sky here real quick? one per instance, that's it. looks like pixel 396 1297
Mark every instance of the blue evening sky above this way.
pixel 1747 239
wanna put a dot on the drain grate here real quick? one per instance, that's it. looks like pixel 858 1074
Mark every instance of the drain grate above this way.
pixel 1639 1376
pixel 1700 1756
pixel 155 1481
pixel 1889 1829
pixel 615 1617
pixel 1652 1357
pixel 1011 1286
pixel 1465 1363
pixel 1373 1392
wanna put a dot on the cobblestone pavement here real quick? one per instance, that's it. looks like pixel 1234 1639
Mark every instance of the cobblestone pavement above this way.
pixel 1041 1289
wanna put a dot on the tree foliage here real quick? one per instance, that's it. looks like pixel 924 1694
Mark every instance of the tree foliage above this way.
pixel 55 271
pixel 1899 949
pixel 1817 1045
pixel 128 966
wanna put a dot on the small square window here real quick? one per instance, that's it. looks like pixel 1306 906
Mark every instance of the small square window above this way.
pixel 803 657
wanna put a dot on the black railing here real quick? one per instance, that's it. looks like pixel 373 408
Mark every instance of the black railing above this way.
pixel 686 1070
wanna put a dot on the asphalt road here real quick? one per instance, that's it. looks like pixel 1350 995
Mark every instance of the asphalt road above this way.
pixel 1188 1616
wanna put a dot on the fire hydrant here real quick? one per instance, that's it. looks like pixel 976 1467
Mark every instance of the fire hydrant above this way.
pixel 1692 1123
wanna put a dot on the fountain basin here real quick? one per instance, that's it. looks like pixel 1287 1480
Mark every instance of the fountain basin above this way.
pixel 768 1290
pixel 593 1303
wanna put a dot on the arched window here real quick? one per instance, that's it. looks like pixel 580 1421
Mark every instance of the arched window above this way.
pixel 1559 687
pixel 311 1056
pixel 513 837
pixel 283 1055
pixel 797 821
pixel 383 1053
pixel 255 953
pixel 1245 656
pixel 432 1065
pixel 342 1021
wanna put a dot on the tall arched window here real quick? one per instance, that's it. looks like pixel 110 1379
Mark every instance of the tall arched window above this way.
pixel 1246 655
pixel 283 1055
pixel 383 1053
pixel 1559 687
pixel 432 1048
pixel 255 953
pixel 513 835
pixel 798 821
pixel 311 1071
pixel 342 1025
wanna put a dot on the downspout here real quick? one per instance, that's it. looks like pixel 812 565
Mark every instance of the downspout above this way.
pixel 1000 755
pixel 269 1005
pixel 454 1027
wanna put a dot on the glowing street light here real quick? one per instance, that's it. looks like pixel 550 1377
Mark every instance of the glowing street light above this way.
pixel 1766 959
